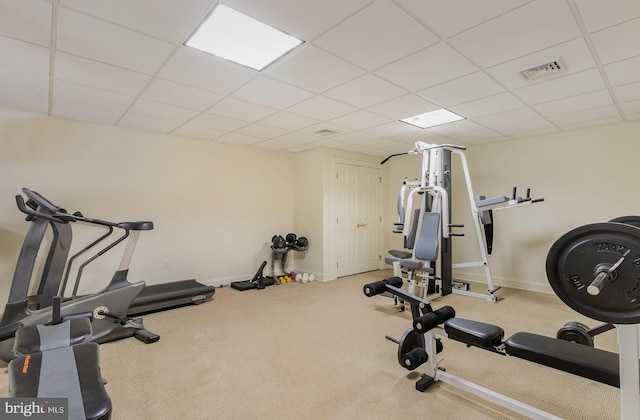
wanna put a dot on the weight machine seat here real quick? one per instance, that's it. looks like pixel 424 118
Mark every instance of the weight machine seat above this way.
pixel 35 338
pixel 474 333
pixel 578 359
pixel 67 372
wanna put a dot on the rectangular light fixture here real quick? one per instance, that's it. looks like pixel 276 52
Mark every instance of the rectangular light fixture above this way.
pixel 237 37
pixel 433 118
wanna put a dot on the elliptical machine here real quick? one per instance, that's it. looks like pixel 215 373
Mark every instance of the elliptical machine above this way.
pixel 108 308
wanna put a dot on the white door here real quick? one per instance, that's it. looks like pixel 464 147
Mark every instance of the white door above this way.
pixel 358 218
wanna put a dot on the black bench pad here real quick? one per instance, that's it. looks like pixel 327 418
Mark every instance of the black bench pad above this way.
pixel 588 362
pixel 474 333
pixel 67 372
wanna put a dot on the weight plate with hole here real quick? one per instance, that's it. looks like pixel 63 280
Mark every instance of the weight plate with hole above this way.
pixel 409 341
pixel 579 256
pixel 576 332
pixel 628 220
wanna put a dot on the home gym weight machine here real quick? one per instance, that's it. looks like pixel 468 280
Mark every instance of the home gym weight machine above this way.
pixel 595 270
pixel 435 189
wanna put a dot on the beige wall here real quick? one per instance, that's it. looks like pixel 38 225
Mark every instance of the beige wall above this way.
pixel 585 176
pixel 215 207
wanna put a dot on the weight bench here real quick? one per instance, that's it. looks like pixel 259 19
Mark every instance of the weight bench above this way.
pixel 587 362
pixel 57 361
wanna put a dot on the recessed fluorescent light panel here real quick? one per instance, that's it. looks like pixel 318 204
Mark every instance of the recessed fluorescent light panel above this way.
pixel 234 36
pixel 433 118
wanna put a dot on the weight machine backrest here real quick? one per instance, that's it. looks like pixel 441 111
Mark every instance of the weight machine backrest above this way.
pixel 427 242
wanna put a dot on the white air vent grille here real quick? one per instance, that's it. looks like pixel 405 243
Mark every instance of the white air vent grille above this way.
pixel 551 68
pixel 326 132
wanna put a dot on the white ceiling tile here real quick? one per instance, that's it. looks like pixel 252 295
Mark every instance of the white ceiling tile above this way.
pixel 146 108
pixel 238 139
pixel 574 53
pixel 165 19
pixel 241 110
pixel 486 106
pixel 447 18
pixel 298 138
pixel 597 14
pixel 618 42
pixel 24 83
pixel 91 73
pixel 594 123
pixel 383 143
pixel 515 116
pixel 533 133
pixel 404 106
pixel 593 114
pixel 630 107
pixel 303 19
pixel 88 101
pixel 261 131
pixel 201 70
pixel 360 119
pixel 271 93
pixel 330 143
pixel 299 148
pixel 427 67
pixel 571 85
pixel 321 107
pixel 147 123
pixel 532 27
pixel 301 69
pixel 377 35
pixel 627 92
pixel 464 89
pixel 24 57
pixel 411 138
pixel 622 72
pixel 356 137
pixel 199 130
pixel 288 121
pixel 393 128
pixel 92 38
pixel 464 130
pixel 38 104
pixel 272 144
pixel 218 122
pixel 365 91
pixel 169 92
pixel 525 127
pixel 28 20
pixel 575 103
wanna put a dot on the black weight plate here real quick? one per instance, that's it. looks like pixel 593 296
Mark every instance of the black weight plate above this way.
pixel 628 220
pixel 572 263
pixel 409 341
pixel 575 332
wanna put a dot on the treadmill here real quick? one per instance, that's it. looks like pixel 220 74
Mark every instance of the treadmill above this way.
pixel 152 298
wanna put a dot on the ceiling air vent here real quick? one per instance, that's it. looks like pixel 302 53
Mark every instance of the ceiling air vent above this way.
pixel 552 68
pixel 326 132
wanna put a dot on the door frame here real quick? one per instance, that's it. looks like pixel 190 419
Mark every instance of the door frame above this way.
pixel 334 208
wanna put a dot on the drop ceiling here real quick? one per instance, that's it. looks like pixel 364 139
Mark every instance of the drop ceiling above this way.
pixel 364 65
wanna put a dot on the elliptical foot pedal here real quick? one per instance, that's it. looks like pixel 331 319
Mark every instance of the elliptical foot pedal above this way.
pixel 424 383
pixel 146 336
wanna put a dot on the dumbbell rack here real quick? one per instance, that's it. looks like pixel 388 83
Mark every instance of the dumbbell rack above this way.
pixel 281 254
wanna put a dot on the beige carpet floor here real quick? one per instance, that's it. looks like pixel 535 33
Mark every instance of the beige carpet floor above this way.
pixel 318 351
